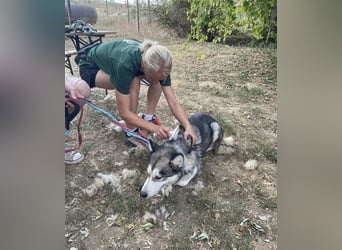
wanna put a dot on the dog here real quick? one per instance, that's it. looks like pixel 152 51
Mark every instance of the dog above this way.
pixel 177 161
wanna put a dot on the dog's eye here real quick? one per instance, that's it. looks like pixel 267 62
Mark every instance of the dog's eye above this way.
pixel 157 177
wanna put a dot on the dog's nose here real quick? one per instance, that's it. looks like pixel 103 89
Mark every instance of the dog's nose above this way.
pixel 143 194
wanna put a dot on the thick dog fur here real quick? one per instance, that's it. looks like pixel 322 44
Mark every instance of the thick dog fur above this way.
pixel 177 161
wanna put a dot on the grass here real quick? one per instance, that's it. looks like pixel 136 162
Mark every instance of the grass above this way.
pixel 214 91
pixel 180 238
pixel 227 125
pixel 263 151
pixel 270 153
pixel 217 224
pixel 266 201
pixel 128 205
pixel 248 94
pixel 230 84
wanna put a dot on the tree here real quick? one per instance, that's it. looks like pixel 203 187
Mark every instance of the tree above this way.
pixel 173 14
pixel 216 20
pixel 255 17
pixel 219 20
pixel 211 20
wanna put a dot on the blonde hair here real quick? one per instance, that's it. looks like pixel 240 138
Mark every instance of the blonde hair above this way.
pixel 156 57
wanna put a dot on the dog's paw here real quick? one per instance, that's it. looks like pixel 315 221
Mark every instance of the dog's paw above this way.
pixel 225 150
pixel 166 190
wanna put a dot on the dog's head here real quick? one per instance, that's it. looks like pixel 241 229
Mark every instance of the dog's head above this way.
pixel 165 167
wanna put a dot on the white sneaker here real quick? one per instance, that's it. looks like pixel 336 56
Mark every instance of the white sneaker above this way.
pixel 72 157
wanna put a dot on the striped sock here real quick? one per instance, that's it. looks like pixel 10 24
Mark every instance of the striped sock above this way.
pixel 148 117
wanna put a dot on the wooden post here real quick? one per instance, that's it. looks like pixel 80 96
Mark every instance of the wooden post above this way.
pixel 127 12
pixel 107 7
pixel 138 21
pixel 149 12
pixel 69 12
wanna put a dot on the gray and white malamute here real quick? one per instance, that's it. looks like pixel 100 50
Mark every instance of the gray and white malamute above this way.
pixel 177 161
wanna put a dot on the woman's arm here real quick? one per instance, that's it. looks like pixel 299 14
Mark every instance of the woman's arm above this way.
pixel 123 102
pixel 178 112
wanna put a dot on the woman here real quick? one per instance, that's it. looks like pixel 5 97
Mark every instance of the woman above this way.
pixel 121 65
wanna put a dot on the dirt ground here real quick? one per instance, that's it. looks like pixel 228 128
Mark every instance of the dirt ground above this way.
pixel 229 205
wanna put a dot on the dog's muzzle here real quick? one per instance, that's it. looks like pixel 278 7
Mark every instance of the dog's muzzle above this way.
pixel 143 194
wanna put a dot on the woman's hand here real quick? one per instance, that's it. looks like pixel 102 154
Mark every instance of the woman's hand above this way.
pixel 189 132
pixel 161 132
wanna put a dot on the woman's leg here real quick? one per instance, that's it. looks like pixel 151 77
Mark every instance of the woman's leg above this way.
pixel 153 95
pixel 134 97
pixel 102 80
pixel 134 94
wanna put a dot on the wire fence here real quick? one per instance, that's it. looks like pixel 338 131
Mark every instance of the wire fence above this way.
pixel 129 16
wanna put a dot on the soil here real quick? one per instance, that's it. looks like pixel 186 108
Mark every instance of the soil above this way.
pixel 229 205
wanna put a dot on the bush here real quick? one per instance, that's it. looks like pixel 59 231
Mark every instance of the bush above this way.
pixel 216 20
pixel 173 15
pixel 220 21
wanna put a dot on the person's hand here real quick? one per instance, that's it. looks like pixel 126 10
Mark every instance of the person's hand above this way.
pixel 189 132
pixel 74 94
pixel 162 133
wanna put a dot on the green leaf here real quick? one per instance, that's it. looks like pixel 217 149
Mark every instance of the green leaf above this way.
pixel 148 226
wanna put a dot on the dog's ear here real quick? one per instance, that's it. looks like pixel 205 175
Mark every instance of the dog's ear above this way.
pixel 177 162
pixel 188 142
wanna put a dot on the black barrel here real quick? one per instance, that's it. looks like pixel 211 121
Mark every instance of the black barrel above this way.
pixel 84 12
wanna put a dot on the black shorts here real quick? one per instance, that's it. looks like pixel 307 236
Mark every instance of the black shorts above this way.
pixel 89 72
pixel 89 75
